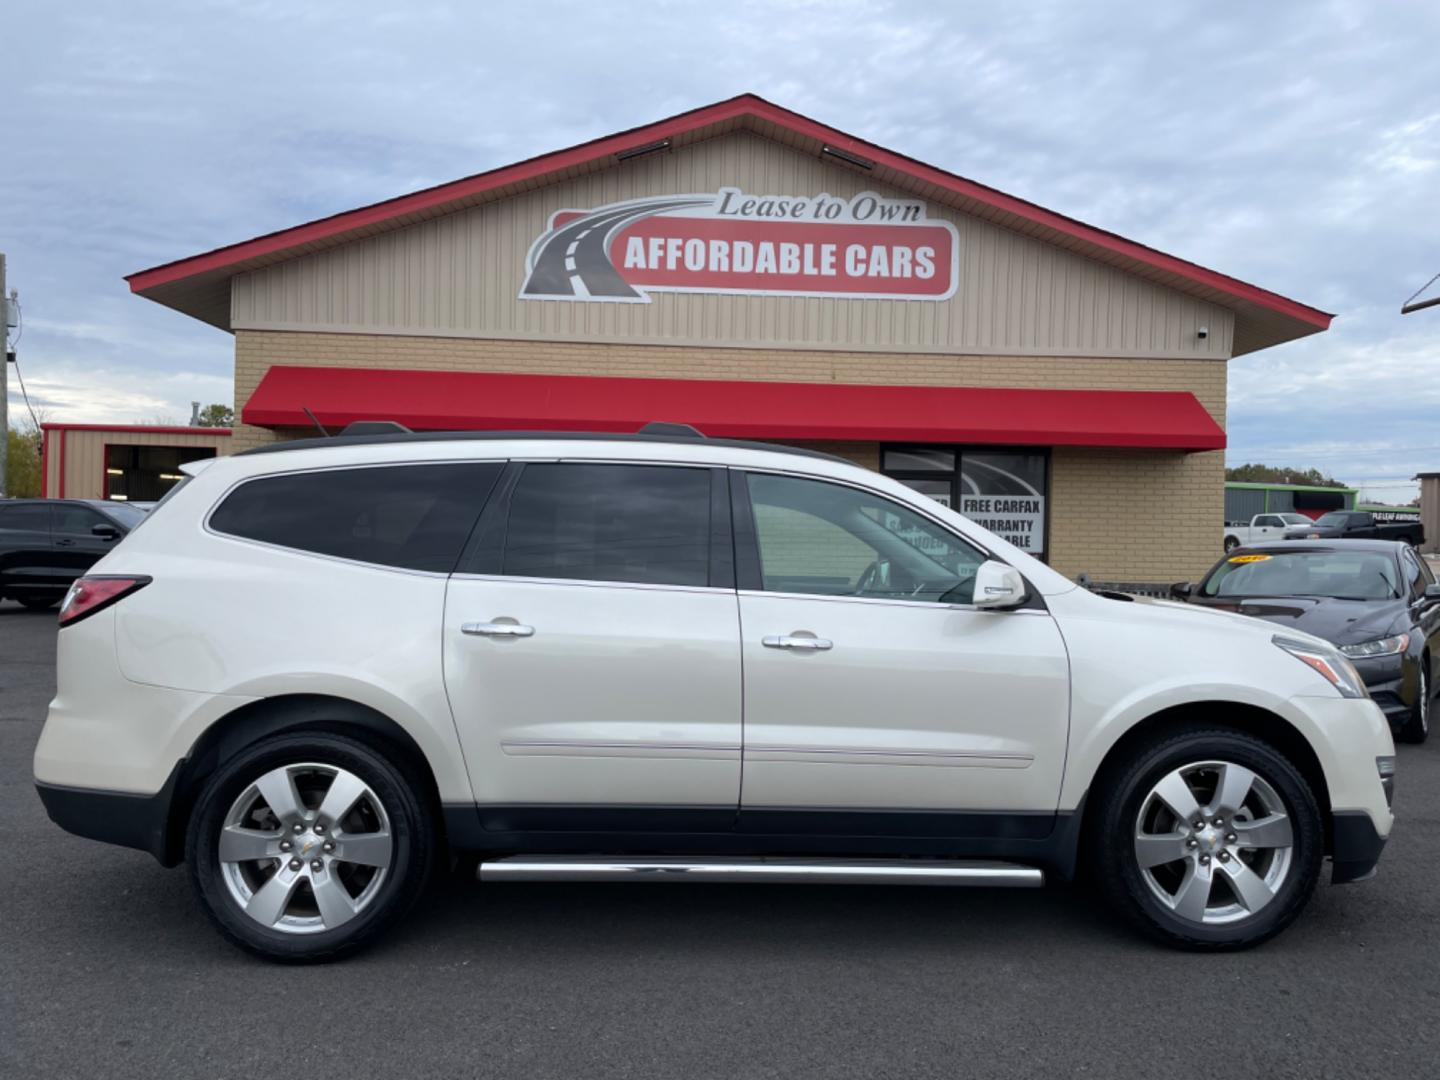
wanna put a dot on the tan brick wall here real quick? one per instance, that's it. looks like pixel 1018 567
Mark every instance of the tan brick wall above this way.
pixel 1126 515
pixel 1135 515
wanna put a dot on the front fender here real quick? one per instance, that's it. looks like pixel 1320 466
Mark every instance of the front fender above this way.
pixel 1098 727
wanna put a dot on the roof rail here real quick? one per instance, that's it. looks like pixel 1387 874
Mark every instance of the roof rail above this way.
pixel 374 427
pixel 673 431
pixel 380 439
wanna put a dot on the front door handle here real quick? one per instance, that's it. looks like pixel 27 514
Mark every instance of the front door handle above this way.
pixel 497 629
pixel 64 543
pixel 802 644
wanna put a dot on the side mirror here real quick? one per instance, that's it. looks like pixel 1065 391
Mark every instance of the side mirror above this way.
pixel 1182 590
pixel 105 532
pixel 1432 592
pixel 998 586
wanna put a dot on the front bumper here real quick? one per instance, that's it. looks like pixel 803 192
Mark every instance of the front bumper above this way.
pixel 1356 847
pixel 1391 683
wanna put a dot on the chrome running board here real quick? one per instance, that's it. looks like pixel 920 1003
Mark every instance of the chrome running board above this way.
pixel 760 869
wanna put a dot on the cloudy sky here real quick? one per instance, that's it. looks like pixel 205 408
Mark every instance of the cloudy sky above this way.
pixel 1294 145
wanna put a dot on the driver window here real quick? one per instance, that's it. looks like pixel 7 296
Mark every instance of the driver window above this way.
pixel 832 540
pixel 1413 580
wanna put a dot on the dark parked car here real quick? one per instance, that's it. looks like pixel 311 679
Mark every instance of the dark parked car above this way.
pixel 1376 599
pixel 1358 525
pixel 45 544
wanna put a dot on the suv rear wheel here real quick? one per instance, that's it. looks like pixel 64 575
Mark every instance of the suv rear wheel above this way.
pixel 307 846
pixel 1209 839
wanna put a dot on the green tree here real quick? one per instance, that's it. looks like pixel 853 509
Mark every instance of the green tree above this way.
pixel 22 463
pixel 217 416
pixel 1271 474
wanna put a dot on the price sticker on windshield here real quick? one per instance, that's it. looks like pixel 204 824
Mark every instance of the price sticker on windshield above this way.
pixel 1249 558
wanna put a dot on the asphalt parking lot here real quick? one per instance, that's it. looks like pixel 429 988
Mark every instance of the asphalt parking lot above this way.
pixel 108 969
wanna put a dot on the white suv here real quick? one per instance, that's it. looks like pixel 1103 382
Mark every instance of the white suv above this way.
pixel 321 668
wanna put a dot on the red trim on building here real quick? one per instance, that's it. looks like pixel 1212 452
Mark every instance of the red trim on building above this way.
pixel 152 428
pixel 447 400
pixel 45 462
pixel 750 105
pixel 64 438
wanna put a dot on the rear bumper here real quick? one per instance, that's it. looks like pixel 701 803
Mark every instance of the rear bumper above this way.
pixel 115 817
pixel 1357 847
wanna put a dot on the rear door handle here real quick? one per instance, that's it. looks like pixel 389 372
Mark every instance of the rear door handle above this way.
pixel 497 629
pixel 802 644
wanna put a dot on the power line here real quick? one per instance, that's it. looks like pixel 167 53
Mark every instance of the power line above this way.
pixel 21 379
pixel 19 333
pixel 1409 305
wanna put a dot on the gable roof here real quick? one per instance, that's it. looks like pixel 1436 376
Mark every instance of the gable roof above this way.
pixel 199 285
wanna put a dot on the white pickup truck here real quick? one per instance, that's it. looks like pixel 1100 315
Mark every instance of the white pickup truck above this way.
pixel 1262 527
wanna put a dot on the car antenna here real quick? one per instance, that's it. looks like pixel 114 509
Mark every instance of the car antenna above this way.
pixel 318 426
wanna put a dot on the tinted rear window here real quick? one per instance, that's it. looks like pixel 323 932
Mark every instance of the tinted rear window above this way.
pixel 27 517
pixel 417 517
pixel 640 523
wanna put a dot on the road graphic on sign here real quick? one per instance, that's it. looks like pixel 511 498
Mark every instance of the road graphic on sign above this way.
pixel 1005 483
pixel 573 260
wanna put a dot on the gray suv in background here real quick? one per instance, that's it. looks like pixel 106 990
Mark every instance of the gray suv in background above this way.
pixel 45 544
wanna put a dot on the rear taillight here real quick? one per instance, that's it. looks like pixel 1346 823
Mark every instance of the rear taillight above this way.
pixel 92 594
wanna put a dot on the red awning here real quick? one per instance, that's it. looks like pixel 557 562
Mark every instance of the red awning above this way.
pixel 450 400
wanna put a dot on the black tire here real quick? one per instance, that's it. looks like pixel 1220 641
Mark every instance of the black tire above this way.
pixel 1231 543
pixel 1111 837
pixel 40 603
pixel 1416 728
pixel 415 851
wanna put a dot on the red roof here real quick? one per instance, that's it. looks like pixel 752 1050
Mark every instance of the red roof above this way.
pixel 196 285
pixel 466 401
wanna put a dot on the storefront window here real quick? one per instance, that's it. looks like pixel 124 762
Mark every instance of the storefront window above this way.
pixel 1003 490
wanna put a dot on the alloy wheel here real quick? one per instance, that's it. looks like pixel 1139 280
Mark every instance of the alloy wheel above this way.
pixel 1213 842
pixel 305 848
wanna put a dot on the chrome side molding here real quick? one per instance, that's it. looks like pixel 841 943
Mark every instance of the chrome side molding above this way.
pixel 761 869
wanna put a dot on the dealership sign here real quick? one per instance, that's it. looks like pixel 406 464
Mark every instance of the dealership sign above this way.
pixel 866 247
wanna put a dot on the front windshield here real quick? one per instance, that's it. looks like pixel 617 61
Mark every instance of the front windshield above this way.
pixel 1344 575
pixel 1335 517
pixel 1295 519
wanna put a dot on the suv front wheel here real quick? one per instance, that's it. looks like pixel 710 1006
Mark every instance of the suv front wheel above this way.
pixel 306 846
pixel 1209 839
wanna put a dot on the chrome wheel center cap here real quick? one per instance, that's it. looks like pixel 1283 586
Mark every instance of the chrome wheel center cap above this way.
pixel 307 845
pixel 1211 840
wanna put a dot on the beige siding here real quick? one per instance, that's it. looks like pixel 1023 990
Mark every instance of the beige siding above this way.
pixel 1430 511
pixel 83 457
pixel 460 275
pixel 1126 515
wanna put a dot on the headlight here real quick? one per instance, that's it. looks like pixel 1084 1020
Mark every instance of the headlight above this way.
pixel 1337 670
pixel 1382 647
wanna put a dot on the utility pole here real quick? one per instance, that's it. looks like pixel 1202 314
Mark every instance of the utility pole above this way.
pixel 4 378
